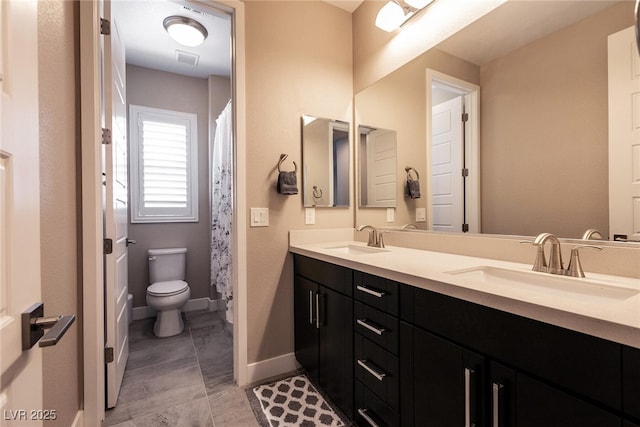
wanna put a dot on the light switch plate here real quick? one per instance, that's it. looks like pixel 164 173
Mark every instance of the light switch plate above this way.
pixel 259 217
pixel 309 216
pixel 391 214
pixel 421 214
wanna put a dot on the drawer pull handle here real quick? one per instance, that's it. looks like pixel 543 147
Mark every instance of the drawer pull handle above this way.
pixel 367 418
pixel 311 307
pixel 364 323
pixel 469 376
pixel 496 409
pixel 379 375
pixel 369 291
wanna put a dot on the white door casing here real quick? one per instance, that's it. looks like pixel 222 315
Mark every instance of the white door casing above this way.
pixel 624 134
pixel 21 371
pixel 115 161
pixel 447 210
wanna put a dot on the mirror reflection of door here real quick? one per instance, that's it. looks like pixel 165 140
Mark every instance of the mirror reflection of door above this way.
pixel 378 154
pixel 453 154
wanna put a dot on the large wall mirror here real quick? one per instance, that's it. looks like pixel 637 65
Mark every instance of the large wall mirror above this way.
pixel 542 119
pixel 325 162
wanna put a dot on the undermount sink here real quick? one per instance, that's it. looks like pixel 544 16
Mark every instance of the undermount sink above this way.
pixel 552 285
pixel 357 250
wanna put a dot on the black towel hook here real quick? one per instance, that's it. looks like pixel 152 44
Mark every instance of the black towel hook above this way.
pixel 282 159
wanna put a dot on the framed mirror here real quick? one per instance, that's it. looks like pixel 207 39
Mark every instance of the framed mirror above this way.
pixel 542 71
pixel 325 162
pixel 377 168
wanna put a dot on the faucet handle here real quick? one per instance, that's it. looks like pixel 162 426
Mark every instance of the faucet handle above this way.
pixel 575 266
pixel 540 264
pixel 380 238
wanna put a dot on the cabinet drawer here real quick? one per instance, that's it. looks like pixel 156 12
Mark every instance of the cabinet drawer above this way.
pixel 332 276
pixel 377 326
pixel 371 410
pixel 376 292
pixel 377 369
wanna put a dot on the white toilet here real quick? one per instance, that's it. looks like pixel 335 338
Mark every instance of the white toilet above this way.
pixel 168 291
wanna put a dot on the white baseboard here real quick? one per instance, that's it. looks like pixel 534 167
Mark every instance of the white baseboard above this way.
pixel 196 304
pixel 273 367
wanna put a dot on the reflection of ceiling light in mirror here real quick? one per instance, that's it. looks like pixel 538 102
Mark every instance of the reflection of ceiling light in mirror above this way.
pixel 390 17
pixel 186 31
pixel 396 12
pixel 307 119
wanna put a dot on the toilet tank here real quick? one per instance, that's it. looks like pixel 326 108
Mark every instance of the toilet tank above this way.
pixel 167 264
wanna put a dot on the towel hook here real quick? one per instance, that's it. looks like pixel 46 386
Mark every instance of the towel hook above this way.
pixel 282 159
pixel 408 170
pixel 317 192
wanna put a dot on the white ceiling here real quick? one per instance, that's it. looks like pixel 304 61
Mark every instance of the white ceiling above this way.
pixel 148 45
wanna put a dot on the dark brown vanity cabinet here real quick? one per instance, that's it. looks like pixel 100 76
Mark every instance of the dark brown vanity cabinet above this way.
pixel 323 310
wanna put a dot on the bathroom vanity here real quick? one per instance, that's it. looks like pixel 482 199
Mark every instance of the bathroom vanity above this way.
pixel 408 337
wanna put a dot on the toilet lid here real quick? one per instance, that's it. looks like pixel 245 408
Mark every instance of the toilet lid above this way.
pixel 171 287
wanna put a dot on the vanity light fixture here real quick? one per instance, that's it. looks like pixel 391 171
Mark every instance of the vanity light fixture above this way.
pixel 396 13
pixel 186 31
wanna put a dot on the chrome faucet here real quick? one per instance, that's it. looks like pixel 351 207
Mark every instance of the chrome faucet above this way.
pixel 555 266
pixel 592 234
pixel 375 236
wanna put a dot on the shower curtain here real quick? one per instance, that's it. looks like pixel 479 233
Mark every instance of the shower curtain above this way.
pixel 222 208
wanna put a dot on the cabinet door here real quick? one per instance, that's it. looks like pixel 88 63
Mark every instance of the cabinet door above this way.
pixel 336 348
pixel 519 400
pixel 447 383
pixel 306 327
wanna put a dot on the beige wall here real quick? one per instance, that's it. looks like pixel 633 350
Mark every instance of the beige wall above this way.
pixel 170 91
pixel 298 61
pixel 544 163
pixel 59 192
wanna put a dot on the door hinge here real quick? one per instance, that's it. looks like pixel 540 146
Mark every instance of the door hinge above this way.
pixel 108 246
pixel 465 172
pixel 465 117
pixel 106 136
pixel 465 228
pixel 105 27
pixel 108 355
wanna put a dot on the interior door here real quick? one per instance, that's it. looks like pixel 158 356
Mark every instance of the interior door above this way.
pixel 115 212
pixel 446 166
pixel 624 135
pixel 381 167
pixel 21 371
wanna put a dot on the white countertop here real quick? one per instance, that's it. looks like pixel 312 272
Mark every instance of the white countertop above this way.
pixel 612 316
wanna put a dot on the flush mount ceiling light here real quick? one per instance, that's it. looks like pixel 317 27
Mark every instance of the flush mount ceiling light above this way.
pixel 186 31
pixel 396 13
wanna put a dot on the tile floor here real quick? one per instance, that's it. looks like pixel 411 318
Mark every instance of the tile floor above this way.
pixel 184 380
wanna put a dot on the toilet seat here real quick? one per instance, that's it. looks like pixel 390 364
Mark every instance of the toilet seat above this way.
pixel 167 289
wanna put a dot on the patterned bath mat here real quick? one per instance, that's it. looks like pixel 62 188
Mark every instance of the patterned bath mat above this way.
pixel 293 401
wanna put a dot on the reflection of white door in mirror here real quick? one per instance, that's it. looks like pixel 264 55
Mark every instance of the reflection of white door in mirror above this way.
pixel 624 135
pixel 378 163
pixel 453 184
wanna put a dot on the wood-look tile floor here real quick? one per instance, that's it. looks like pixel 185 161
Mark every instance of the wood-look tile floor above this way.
pixel 184 380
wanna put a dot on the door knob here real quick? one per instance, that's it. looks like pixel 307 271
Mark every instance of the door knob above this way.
pixel 34 324
pixel 131 242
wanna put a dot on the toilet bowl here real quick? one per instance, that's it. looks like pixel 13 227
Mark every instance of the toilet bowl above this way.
pixel 168 291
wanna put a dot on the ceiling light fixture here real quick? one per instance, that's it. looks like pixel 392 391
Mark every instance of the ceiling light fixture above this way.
pixel 396 13
pixel 186 31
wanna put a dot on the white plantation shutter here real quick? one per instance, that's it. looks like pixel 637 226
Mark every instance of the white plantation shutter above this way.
pixel 164 165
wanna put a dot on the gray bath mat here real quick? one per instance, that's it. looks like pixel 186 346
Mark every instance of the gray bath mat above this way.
pixel 293 401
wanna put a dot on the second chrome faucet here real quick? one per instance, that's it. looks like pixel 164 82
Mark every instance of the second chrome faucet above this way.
pixel 556 266
pixel 375 236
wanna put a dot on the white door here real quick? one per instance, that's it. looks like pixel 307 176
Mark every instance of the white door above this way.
pixel 381 167
pixel 21 371
pixel 115 164
pixel 624 135
pixel 446 166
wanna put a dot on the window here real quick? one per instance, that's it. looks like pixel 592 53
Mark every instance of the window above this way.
pixel 164 167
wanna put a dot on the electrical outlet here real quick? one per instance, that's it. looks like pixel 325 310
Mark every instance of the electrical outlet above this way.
pixel 421 214
pixel 309 216
pixel 259 217
pixel 391 214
